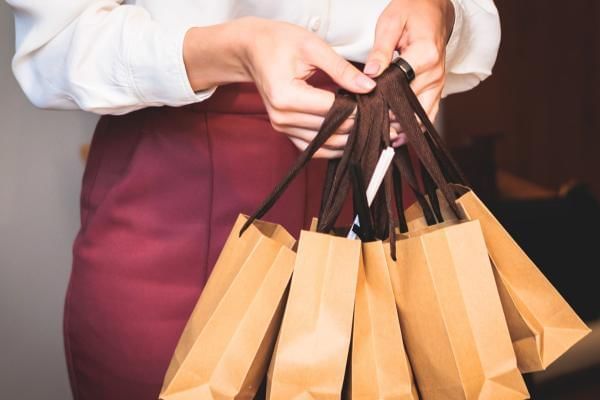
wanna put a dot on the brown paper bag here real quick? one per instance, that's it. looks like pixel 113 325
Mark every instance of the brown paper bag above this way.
pixel 226 346
pixel 379 367
pixel 542 324
pixel 310 357
pixel 452 321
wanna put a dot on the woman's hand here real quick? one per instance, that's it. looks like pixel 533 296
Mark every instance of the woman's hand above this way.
pixel 278 57
pixel 419 31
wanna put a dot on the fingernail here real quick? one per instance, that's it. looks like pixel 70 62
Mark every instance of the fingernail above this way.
pixel 364 82
pixel 372 68
pixel 399 141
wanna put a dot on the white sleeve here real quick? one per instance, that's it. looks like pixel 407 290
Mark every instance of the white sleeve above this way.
pixel 99 56
pixel 473 46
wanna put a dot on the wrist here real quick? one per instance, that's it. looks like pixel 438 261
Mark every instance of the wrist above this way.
pixel 214 55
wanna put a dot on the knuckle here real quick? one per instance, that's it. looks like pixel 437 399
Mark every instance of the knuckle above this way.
pixel 301 145
pixel 277 127
pixel 389 24
pixel 341 68
pixel 431 55
pixel 325 153
pixel 309 46
pixel 277 118
pixel 346 126
pixel 337 141
pixel 279 99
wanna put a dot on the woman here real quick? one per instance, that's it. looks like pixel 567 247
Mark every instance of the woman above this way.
pixel 164 184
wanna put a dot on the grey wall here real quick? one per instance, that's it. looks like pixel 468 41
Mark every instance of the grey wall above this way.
pixel 40 173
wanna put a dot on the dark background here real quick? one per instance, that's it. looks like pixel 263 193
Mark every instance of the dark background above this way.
pixel 544 96
pixel 529 139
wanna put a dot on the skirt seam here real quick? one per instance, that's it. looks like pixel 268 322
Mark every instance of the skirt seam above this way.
pixel 94 165
pixel 211 195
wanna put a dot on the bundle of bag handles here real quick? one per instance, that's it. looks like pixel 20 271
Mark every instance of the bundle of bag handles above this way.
pixel 367 139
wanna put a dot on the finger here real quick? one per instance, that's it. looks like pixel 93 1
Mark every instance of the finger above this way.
pixel 430 101
pixel 388 31
pixel 326 153
pixel 291 119
pixel 335 142
pixel 425 56
pixel 321 153
pixel 400 140
pixel 341 71
pixel 393 133
pixel 397 137
pixel 301 98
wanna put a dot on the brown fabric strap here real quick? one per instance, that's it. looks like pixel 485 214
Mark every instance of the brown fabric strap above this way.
pixel 388 183
pixel 332 166
pixel 366 140
pixel 355 151
pixel 404 166
pixel 449 165
pixel 431 190
pixel 394 86
pixel 398 196
pixel 365 230
pixel 341 109
pixel 374 106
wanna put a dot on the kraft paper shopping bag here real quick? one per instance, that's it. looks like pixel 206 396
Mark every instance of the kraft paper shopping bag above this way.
pixel 542 324
pixel 312 349
pixel 379 366
pixel 451 316
pixel 226 346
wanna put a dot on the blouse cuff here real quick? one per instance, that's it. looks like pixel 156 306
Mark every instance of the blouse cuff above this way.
pixel 473 46
pixel 453 42
pixel 157 69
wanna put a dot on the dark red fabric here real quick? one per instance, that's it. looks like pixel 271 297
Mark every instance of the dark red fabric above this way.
pixel 160 193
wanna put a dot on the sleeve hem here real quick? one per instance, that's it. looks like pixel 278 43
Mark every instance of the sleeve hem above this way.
pixel 471 53
pixel 457 82
pixel 455 37
pixel 157 69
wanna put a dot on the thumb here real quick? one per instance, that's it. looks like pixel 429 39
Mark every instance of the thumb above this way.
pixel 341 71
pixel 387 36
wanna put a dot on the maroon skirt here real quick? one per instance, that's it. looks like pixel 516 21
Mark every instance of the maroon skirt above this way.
pixel 160 193
pixel 161 190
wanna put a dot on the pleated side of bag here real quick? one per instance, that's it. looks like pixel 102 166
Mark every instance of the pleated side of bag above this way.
pixel 225 347
pixel 542 324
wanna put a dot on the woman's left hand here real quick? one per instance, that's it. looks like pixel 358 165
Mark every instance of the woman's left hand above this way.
pixel 419 31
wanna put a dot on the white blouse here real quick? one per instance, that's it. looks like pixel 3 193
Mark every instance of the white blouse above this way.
pixel 115 56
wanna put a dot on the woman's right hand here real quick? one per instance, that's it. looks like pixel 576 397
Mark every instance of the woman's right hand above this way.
pixel 278 57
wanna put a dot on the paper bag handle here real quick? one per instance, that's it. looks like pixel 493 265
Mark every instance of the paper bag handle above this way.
pixel 363 147
pixel 343 106
pixel 395 88
pixel 403 167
